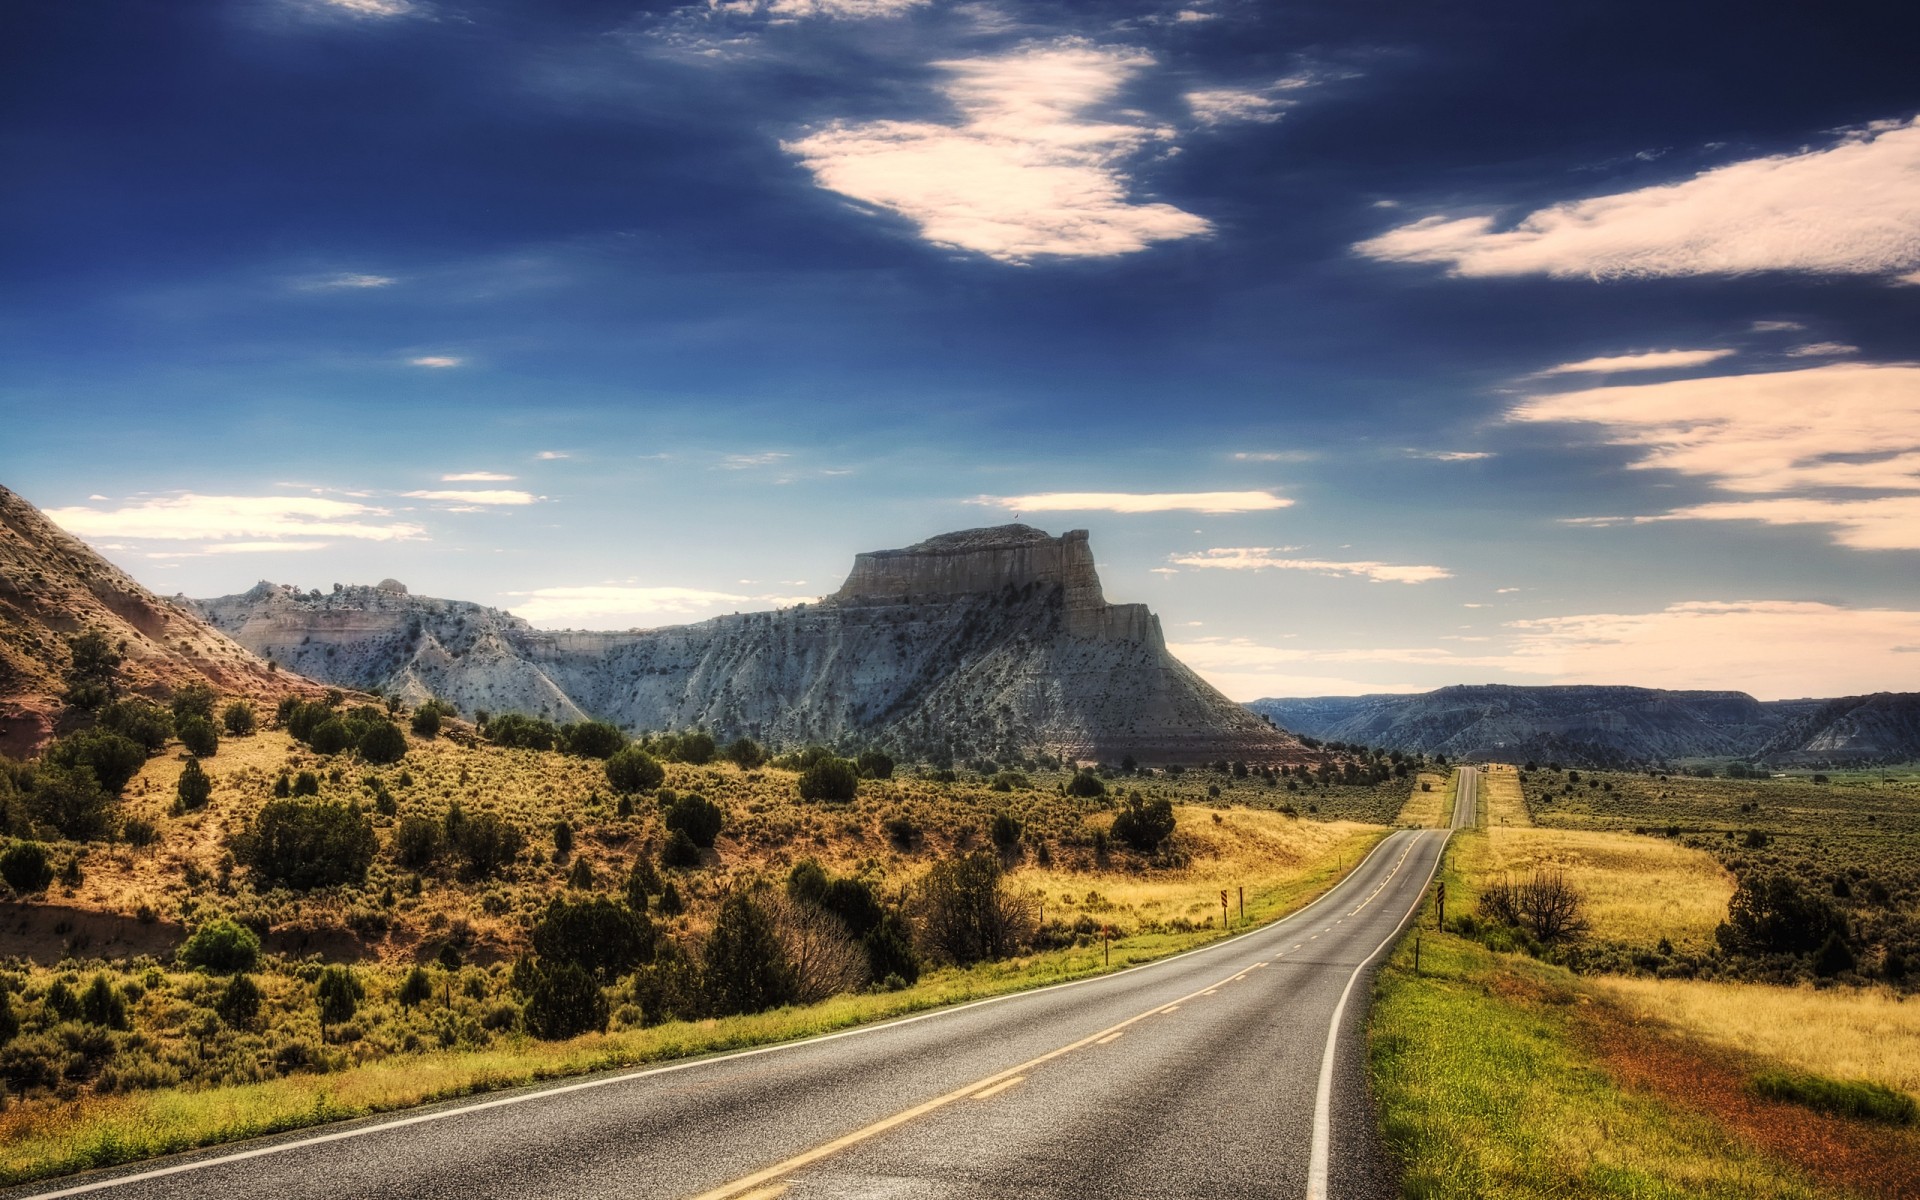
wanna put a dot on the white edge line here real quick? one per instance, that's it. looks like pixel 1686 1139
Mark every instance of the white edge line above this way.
pixel 381 1125
pixel 1323 1095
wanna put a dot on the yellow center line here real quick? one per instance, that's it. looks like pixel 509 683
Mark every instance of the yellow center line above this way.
pixel 1112 1037
pixel 1210 991
pixel 997 1088
pixel 766 1193
pixel 744 1187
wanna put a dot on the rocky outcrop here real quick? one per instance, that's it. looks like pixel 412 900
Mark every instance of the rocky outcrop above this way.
pixel 1852 731
pixel 988 641
pixel 53 586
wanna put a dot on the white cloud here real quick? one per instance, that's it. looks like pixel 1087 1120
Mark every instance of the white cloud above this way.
pixel 1286 456
pixel 346 281
pixel 476 477
pixel 794 10
pixel 1849 208
pixel 1650 360
pixel 1027 172
pixel 746 462
pixel 1138 502
pixel 1776 326
pixel 1268 558
pixel 1778 434
pixel 191 517
pixel 1188 16
pixel 488 496
pixel 373 8
pixel 621 605
pixel 1822 350
pixel 438 361
pixel 1452 455
pixel 1220 106
pixel 552 455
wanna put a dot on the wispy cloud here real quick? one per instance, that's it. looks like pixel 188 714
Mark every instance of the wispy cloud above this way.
pixel 623 605
pixel 437 361
pixel 1028 171
pixel 1275 456
pixel 345 281
pixel 553 455
pixel 373 8
pixel 192 517
pixel 1271 558
pixel 1848 208
pixel 840 10
pixel 492 496
pixel 1451 455
pixel 1648 360
pixel 1138 502
pixel 747 462
pixel 476 477
pixel 1822 350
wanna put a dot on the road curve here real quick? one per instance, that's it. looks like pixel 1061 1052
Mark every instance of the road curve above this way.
pixel 1236 1070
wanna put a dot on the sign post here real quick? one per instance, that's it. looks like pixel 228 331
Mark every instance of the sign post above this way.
pixel 1224 924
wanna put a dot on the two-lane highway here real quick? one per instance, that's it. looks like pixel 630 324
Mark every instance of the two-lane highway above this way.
pixel 1234 1070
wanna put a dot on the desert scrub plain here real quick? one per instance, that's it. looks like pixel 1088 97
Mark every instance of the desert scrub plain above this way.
pixel 1641 1055
pixel 494 914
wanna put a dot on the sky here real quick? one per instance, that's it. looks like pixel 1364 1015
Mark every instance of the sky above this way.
pixel 1379 346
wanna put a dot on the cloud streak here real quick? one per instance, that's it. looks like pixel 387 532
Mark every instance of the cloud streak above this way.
pixel 192 517
pixel 484 496
pixel 1650 360
pixel 1268 558
pixel 1139 502
pixel 625 605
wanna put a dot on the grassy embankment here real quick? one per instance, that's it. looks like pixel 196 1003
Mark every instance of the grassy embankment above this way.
pixel 396 1056
pixel 1501 1076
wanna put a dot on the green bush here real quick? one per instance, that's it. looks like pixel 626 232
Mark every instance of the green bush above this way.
pixel 25 867
pixel 564 1002
pixel 92 674
pixel 239 1003
pixel 1144 824
pixel 331 736
pixel 416 988
pixel 198 735
pixel 102 1004
pixel 1087 786
pixel 634 770
pixel 745 967
pixel 1775 914
pixel 337 993
pixel 113 759
pixel 238 719
pixel 968 915
pixel 305 844
pixel 194 700
pixel 140 721
pixel 194 787
pixel 696 816
pixel 416 842
pixel 382 743
pixel 220 946
pixel 592 739
pixel 522 732
pixel 306 783
pixel 599 936
pixel 1005 831
pixel 890 952
pixel 485 842
pixel 679 851
pixel 835 780
pixel 69 800
pixel 668 988
pixel 873 764
pixel 696 747
pixel 1857 1098
pixel 745 753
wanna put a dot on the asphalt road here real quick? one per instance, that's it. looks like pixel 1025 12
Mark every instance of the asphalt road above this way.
pixel 1466 799
pixel 1236 1070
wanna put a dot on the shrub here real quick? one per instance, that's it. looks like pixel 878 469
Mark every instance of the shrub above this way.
pixel 113 759
pixel 239 1003
pixel 194 787
pixel 746 968
pixel 140 721
pixel 485 843
pixel 330 736
pixel 598 936
pixel 524 733
pixel 221 946
pixel 830 779
pixel 1005 831
pixel 416 988
pixel 967 914
pixel 1086 785
pixel 698 817
pixel 306 783
pixel 1144 824
pixel 416 842
pixel 194 700
pixel 807 882
pixel 890 952
pixel 696 747
pixel 198 735
pixel 1546 905
pixel 1834 957
pixel 634 770
pixel 25 867
pixel 9 1020
pixel 102 1004
pixel 382 743
pixel 92 674
pixel 668 988
pixel 1860 1099
pixel 238 719
pixel 679 852
pixel 564 1002
pixel 593 739
pixel 745 753
pixel 873 764
pixel 337 993
pixel 304 844
pixel 562 838
pixel 1774 914
pixel 642 881
pixel 70 800
pixel 901 831
pixel 822 957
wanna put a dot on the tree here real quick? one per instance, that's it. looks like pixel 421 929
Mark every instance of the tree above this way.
pixel 194 700
pixel 238 719
pixel 830 779
pixel 1144 824
pixel 25 868
pixel 113 759
pixel 874 764
pixel 416 988
pixel 696 816
pixel 382 743
pixel 338 992
pixel 522 732
pixel 593 739
pixel 102 1004
pixel 1005 831
pixel 221 946
pixel 823 957
pixel 138 720
pixel 305 844
pixel 194 787
pixel 967 914
pixel 197 734
pixel 239 1003
pixel 1773 914
pixel 634 770
pixel 746 968
pixel 416 842
pixel 69 800
pixel 679 851
pixel 564 1002
pixel 599 936
pixel 485 843
pixel 426 720
pixel 1834 957
pixel 745 753
pixel 1086 785
pixel 642 881
pixel 331 736
pixel 93 668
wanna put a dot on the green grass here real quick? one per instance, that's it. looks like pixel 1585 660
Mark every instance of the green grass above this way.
pixel 1857 1098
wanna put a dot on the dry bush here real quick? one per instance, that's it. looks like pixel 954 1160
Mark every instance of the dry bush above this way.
pixel 1546 904
pixel 825 958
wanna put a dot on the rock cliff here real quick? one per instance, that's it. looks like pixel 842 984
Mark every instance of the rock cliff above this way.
pixel 988 641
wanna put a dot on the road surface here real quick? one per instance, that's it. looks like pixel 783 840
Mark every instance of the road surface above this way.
pixel 1236 1070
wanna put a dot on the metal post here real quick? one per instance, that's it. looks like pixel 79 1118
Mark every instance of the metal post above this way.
pixel 1443 905
pixel 1224 923
pixel 1243 904
pixel 1106 947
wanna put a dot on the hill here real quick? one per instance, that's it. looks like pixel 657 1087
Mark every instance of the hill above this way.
pixel 52 587
pixel 1577 724
pixel 993 642
pixel 1881 728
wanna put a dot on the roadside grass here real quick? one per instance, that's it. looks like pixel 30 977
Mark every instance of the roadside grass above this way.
pixel 41 1139
pixel 1859 1098
pixel 1849 1033
pixel 1432 808
pixel 1501 800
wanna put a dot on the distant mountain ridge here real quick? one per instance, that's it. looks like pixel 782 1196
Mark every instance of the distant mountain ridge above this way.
pixel 1591 725
pixel 983 641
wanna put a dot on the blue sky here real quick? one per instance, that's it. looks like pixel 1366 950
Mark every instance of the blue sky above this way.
pixel 1379 346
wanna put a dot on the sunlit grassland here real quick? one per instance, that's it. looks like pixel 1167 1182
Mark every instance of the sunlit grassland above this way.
pixel 1501 801
pixel 1428 809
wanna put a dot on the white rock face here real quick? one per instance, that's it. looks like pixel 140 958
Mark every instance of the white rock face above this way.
pixel 992 641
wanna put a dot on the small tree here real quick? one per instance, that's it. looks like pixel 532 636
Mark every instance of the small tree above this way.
pixel 1144 824
pixel 102 1004
pixel 331 736
pixel 593 739
pixel 338 993
pixel 194 787
pixel 239 719
pixel 138 720
pixel 634 770
pixel 1005 831
pixel 415 989
pixel 835 780
pixel 416 842
pixel 485 843
pixel 198 735
pixel 426 720
pixel 239 1003
pixel 746 968
pixel 25 868
pixel 194 700
pixel 1086 785
pixel 382 743
pixel 599 936
pixel 823 958
pixel 92 675
pixel 564 1002
pixel 745 753
pixel 679 850
pixel 70 800
pixel 305 844
pixel 562 838
pixel 698 817
pixel 874 764
pixel 968 914
pixel 221 946
pixel 113 759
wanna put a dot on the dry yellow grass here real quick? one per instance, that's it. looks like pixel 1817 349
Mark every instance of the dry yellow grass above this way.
pixel 1842 1033
pixel 1638 889
pixel 1429 809
pixel 1501 803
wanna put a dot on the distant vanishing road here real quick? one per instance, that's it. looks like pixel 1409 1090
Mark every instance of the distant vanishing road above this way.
pixel 1236 1070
